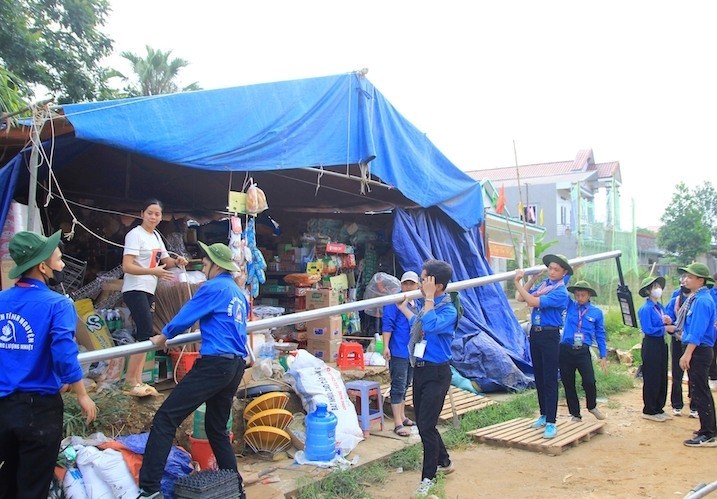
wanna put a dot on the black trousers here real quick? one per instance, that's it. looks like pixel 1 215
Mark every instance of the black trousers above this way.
pixel 676 400
pixel 30 434
pixel 702 359
pixel 713 366
pixel 430 386
pixel 654 375
pixel 213 380
pixel 572 360
pixel 545 352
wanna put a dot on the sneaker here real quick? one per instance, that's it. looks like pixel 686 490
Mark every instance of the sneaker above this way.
pixel 539 423
pixel 701 441
pixel 713 384
pixel 665 416
pixel 596 412
pixel 550 430
pixel 424 488
pixel 576 419
pixel 694 414
pixel 150 495
pixel 677 412
pixel 446 470
pixel 654 417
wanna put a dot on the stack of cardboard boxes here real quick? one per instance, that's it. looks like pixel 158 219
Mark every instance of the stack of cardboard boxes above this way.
pixel 324 335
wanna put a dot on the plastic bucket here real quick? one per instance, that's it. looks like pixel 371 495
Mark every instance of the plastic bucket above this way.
pixel 202 452
pixel 183 362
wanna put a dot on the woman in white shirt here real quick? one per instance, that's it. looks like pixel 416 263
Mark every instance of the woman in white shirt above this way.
pixel 145 260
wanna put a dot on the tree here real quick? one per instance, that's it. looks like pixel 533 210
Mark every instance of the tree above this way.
pixel 156 73
pixel 12 91
pixel 683 233
pixel 55 43
pixel 706 202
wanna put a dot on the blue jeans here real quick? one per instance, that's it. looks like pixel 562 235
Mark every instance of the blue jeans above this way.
pixel 401 376
pixel 213 380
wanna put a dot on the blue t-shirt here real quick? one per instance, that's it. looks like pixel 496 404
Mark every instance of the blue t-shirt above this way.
pixel 650 316
pixel 394 322
pixel 38 353
pixel 439 326
pixel 549 312
pixel 700 321
pixel 589 320
pixel 221 307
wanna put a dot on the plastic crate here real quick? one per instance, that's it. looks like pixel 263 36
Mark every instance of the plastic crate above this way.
pixel 209 484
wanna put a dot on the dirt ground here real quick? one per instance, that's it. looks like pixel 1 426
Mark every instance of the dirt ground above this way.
pixel 633 458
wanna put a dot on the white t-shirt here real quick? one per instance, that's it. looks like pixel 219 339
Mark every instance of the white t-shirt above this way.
pixel 149 250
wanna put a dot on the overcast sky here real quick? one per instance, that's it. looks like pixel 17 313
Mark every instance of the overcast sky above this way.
pixel 633 80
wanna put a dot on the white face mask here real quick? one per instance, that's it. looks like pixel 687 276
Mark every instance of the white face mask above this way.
pixel 656 292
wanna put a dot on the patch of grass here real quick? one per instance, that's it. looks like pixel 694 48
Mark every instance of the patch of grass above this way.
pixel 439 489
pixel 347 483
pixel 456 439
pixel 410 458
pixel 113 409
pixel 618 334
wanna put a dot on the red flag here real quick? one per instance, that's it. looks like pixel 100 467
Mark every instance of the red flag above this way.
pixel 500 204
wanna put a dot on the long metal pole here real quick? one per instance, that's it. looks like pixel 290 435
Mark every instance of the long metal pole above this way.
pixel 308 315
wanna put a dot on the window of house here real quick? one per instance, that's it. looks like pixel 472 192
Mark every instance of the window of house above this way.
pixel 563 215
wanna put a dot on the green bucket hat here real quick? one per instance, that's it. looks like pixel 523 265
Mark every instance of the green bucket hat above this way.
pixel 700 270
pixel 584 285
pixel 647 284
pixel 221 255
pixel 27 249
pixel 560 260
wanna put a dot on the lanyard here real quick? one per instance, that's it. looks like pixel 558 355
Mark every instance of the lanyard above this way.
pixel 580 316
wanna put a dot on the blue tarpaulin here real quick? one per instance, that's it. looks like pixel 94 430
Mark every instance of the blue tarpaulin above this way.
pixel 490 348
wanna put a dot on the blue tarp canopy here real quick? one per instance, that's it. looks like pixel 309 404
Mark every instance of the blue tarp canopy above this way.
pixel 320 145
pixel 334 122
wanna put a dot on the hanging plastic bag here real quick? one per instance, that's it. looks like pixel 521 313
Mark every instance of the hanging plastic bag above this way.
pixel 255 200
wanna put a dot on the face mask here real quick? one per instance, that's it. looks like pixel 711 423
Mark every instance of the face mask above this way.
pixel 656 292
pixel 684 290
pixel 58 276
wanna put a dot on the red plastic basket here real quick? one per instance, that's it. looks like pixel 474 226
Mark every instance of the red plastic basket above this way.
pixel 183 363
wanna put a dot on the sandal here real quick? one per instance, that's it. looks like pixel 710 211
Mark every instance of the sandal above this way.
pixel 141 390
pixel 408 422
pixel 401 431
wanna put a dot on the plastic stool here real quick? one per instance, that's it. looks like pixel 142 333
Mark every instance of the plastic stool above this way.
pixel 350 356
pixel 362 390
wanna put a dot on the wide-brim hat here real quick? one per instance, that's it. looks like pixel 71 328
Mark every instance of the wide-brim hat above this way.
pixel 700 270
pixel 647 283
pixel 27 249
pixel 221 255
pixel 582 285
pixel 560 260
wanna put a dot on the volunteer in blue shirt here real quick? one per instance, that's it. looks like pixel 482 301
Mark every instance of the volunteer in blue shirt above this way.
pixel 38 360
pixel 654 323
pixel 584 327
pixel 432 331
pixel 220 306
pixel 713 368
pixel 548 301
pixel 678 299
pixel 396 333
pixel 698 338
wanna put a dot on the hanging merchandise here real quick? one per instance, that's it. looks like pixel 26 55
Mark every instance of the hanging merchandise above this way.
pixel 255 199
pixel 256 266
pixel 239 250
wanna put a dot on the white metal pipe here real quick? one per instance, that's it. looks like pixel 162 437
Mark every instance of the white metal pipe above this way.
pixel 308 315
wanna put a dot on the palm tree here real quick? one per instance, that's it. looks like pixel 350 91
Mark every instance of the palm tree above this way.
pixel 156 73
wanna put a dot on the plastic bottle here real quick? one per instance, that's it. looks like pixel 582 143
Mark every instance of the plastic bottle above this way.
pixel 379 343
pixel 320 434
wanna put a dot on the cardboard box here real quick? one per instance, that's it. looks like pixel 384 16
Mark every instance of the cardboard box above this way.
pixel 325 350
pixel 320 298
pixel 7 266
pixel 328 328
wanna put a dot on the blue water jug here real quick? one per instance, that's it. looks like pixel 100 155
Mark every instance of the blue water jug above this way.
pixel 320 434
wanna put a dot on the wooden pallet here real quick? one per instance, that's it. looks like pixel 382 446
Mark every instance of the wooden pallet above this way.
pixel 519 434
pixel 463 401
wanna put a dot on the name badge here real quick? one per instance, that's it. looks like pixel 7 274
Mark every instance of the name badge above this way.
pixel 420 349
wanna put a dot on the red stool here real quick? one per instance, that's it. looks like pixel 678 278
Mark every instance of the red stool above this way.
pixel 350 356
